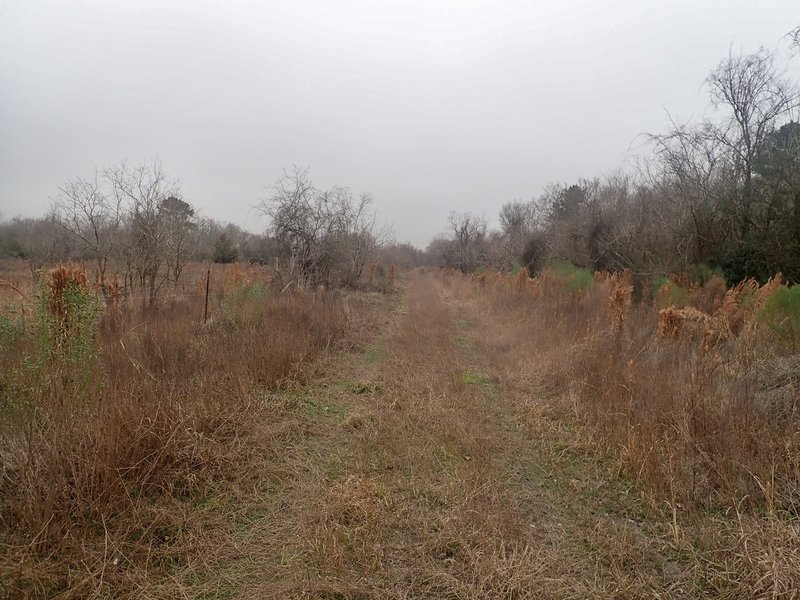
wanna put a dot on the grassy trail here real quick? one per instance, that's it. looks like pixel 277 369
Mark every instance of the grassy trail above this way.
pixel 427 471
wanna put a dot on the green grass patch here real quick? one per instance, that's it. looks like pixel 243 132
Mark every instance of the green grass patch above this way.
pixel 400 310
pixel 667 293
pixel 473 378
pixel 305 401
pixel 575 279
pixel 781 314
pixel 222 593
pixel 377 352
pixel 246 521
pixel 319 407
pixel 362 388
pixel 10 331
pixel 701 273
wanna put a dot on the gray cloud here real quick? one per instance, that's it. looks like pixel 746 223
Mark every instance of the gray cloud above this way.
pixel 458 104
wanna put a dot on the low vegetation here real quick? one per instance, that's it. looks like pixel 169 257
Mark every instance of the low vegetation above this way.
pixel 119 418
pixel 699 401
pixel 518 432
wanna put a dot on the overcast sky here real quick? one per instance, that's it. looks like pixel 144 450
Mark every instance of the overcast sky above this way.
pixel 431 106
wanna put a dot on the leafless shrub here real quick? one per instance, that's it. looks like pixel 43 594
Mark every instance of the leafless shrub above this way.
pixel 131 215
pixel 329 234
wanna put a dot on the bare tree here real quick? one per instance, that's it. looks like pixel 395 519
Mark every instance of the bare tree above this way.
pixel 298 214
pixel 517 223
pixel 143 190
pixel 355 236
pixel 467 229
pixel 133 214
pixel 693 175
pixel 327 232
pixel 92 216
pixel 442 252
pixel 794 37
pixel 40 241
pixel 757 95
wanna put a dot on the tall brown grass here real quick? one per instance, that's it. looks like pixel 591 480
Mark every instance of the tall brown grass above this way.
pixel 148 409
pixel 698 402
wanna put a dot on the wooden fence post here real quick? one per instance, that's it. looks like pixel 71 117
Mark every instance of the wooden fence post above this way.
pixel 205 310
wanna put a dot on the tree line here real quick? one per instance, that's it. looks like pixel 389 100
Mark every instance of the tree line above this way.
pixel 721 195
pixel 717 196
pixel 134 221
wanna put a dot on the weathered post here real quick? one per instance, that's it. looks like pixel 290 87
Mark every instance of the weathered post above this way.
pixel 205 310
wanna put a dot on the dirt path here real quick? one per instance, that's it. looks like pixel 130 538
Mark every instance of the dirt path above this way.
pixel 425 472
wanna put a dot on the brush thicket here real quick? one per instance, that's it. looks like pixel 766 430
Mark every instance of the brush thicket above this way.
pixel 112 418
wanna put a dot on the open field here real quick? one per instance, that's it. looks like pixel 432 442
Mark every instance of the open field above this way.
pixel 399 300
pixel 465 437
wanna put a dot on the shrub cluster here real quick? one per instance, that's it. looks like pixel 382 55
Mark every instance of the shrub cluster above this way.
pixel 111 415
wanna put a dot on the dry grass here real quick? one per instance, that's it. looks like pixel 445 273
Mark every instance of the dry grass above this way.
pixel 425 480
pixel 485 437
pixel 701 408
pixel 108 455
